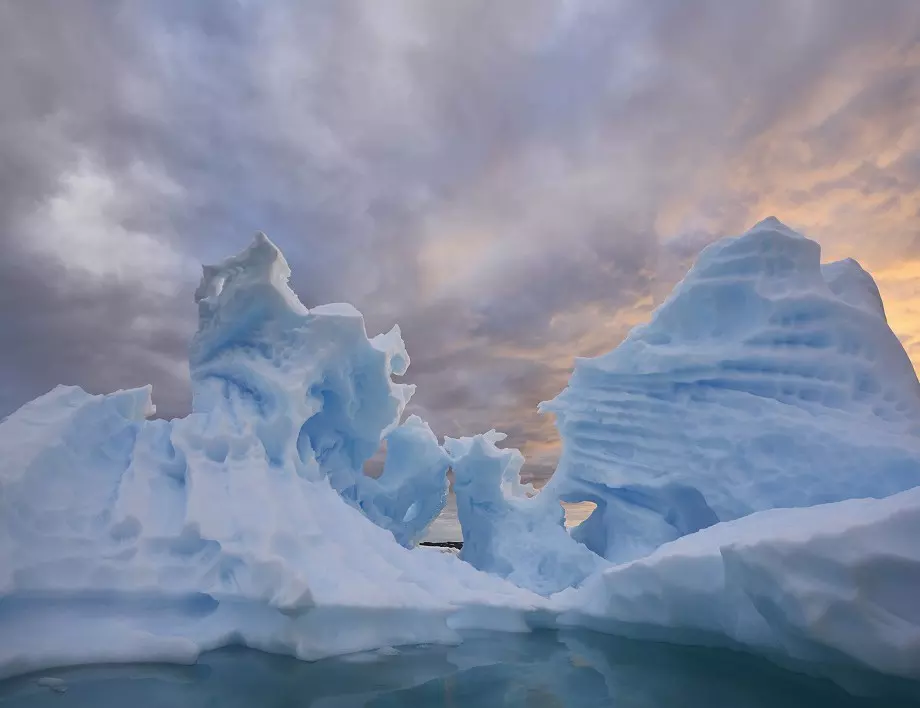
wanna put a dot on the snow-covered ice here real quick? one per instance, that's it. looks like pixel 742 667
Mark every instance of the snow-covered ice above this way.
pixel 765 381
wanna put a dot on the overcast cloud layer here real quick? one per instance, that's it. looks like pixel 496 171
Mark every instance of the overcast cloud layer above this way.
pixel 514 183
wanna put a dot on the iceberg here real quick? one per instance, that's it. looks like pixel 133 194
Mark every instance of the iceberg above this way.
pixel 765 380
pixel 312 391
pixel 247 522
pixel 753 452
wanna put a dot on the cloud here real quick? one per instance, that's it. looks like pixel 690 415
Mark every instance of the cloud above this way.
pixel 93 225
pixel 515 183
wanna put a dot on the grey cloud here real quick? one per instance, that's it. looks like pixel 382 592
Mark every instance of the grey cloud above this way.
pixel 68 332
pixel 58 75
pixel 567 137
pixel 521 308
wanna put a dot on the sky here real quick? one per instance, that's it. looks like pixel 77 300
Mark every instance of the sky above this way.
pixel 515 183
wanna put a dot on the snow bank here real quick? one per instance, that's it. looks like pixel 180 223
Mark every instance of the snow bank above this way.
pixel 765 380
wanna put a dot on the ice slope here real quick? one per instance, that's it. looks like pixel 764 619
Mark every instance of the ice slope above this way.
pixel 123 538
pixel 506 530
pixel 826 589
pixel 765 380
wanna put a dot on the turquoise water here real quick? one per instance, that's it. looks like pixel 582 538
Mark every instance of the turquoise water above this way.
pixel 544 669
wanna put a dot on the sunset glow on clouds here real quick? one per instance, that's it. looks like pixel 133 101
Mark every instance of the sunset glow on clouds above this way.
pixel 515 183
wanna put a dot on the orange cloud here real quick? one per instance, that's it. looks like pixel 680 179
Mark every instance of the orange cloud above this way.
pixel 900 288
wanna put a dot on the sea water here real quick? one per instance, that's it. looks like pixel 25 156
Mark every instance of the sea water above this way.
pixel 488 669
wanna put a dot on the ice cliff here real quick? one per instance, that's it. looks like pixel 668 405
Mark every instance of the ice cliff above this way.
pixel 753 451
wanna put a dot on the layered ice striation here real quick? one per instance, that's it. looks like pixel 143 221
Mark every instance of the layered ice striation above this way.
pixel 765 380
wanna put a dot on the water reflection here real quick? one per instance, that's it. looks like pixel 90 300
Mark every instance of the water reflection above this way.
pixel 540 669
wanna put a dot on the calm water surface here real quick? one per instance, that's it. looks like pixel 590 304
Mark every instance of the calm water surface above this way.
pixel 544 669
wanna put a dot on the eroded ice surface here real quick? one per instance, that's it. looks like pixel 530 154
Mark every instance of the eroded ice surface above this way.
pixel 765 381
pixel 506 530
pixel 248 521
